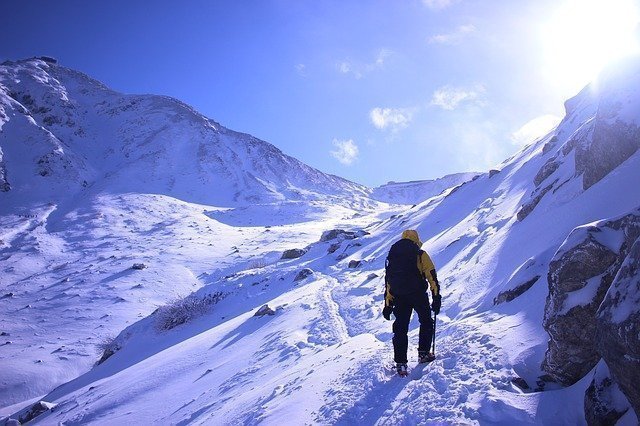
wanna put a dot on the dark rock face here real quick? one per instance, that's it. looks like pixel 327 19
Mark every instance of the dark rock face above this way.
pixel 579 276
pixel 35 410
pixel 337 233
pixel 604 403
pixel 612 144
pixel 264 310
pixel 618 327
pixel 547 170
pixel 306 272
pixel 4 183
pixel 528 207
pixel 293 253
pixel 355 263
pixel 509 295
pixel 333 247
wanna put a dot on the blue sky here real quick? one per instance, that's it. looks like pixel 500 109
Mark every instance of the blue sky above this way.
pixel 369 90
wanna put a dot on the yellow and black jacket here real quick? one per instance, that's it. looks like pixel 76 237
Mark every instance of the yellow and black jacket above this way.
pixel 401 276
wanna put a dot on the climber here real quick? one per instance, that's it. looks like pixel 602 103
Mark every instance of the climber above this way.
pixel 407 272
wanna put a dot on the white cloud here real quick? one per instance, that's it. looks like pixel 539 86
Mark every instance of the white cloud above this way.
pixel 449 97
pixel 535 129
pixel 346 151
pixel 358 70
pixel 454 37
pixel 301 69
pixel 346 67
pixel 394 118
pixel 438 4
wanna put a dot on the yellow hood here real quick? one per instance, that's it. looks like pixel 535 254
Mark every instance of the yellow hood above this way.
pixel 412 235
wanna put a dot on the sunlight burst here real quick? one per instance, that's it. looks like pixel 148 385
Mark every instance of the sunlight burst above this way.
pixel 582 36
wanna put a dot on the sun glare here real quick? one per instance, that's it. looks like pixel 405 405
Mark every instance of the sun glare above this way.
pixel 582 36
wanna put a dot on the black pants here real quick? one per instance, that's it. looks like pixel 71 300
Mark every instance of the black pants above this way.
pixel 402 310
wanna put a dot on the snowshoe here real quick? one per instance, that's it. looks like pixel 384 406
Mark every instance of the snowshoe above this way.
pixel 425 357
pixel 402 369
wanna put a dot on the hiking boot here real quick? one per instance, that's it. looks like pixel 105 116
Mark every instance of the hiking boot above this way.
pixel 402 370
pixel 424 357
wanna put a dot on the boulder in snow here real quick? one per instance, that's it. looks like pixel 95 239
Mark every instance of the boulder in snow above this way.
pixel 355 263
pixel 139 266
pixel 306 272
pixel 35 410
pixel 293 253
pixel 337 233
pixel 264 310
pixel 333 247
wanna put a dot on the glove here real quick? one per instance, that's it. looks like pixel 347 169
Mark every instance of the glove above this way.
pixel 435 305
pixel 386 312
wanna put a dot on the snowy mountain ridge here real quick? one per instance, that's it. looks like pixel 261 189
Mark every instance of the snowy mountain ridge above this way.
pixel 509 247
pixel 141 143
pixel 415 192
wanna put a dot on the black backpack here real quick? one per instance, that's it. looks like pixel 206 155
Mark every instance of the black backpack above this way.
pixel 401 268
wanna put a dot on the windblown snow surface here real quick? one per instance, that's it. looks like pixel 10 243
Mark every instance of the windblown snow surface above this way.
pixel 325 356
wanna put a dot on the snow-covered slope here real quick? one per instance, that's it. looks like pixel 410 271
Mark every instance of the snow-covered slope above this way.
pixel 418 191
pixel 93 181
pixel 325 354
pixel 73 133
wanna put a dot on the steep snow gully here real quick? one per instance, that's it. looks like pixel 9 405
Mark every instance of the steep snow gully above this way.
pixel 129 289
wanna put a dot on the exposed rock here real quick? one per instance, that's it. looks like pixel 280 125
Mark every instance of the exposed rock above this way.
pixel 333 247
pixel 604 403
pixel 550 145
pixel 35 410
pixel 579 276
pixel 306 272
pixel 139 266
pixel 372 276
pixel 293 253
pixel 264 310
pixel 493 172
pixel 337 233
pixel 509 295
pixel 618 327
pixel 611 145
pixel 355 263
pixel 109 348
pixel 545 171
pixel 521 383
pixel 528 207
pixel 4 182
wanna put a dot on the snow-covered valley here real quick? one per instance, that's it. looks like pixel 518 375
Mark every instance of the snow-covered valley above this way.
pixel 95 182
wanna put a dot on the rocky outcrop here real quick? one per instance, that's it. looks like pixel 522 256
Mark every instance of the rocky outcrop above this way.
pixel 304 273
pixel 264 310
pixel 4 182
pixel 546 170
pixel 604 403
pixel 340 234
pixel 293 253
pixel 36 410
pixel 611 145
pixel 509 295
pixel 537 195
pixel 579 276
pixel 618 327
